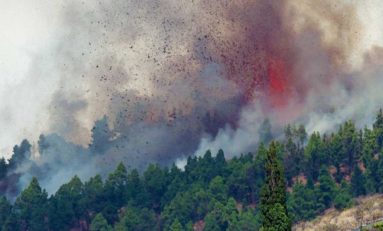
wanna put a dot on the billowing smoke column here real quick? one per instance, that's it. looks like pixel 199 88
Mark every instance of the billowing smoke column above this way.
pixel 155 81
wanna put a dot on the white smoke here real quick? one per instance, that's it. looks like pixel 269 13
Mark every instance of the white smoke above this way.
pixel 355 89
pixel 28 37
pixel 159 71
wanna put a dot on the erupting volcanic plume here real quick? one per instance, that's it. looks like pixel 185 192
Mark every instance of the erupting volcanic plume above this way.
pixel 145 81
pixel 278 83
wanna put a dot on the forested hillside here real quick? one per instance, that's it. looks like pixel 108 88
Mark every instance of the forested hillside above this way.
pixel 212 193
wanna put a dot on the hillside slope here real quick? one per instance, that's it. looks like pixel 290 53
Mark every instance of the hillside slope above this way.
pixel 366 210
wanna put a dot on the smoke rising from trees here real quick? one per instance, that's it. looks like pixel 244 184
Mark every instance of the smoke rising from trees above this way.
pixel 156 81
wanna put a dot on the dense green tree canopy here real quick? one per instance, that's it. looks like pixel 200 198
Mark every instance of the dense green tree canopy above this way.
pixel 294 179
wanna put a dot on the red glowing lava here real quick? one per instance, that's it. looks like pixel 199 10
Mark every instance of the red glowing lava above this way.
pixel 278 83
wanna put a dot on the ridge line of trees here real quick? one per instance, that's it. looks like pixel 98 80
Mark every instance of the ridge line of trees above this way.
pixel 314 172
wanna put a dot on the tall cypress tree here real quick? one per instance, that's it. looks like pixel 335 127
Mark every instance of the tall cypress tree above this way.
pixel 273 194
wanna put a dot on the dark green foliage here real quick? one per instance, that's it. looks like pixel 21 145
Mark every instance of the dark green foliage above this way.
pixel 343 199
pixel 116 186
pixel 326 190
pixel 136 192
pixel 137 219
pixel 12 223
pixel 369 146
pixel 31 208
pixel 379 174
pixel 321 172
pixel 176 183
pixel 259 173
pixel 378 226
pixel 293 158
pixel 371 178
pixel 302 202
pixel 193 205
pixel 278 216
pixel 314 154
pixel 349 143
pixel 66 207
pixel 154 182
pixel 241 182
pixel 182 208
pixel 176 226
pixel 222 217
pixel 21 153
pixel 3 168
pixel 273 194
pixel 374 174
pixel 246 222
pixel 93 195
pixel 99 223
pixel 378 129
pixel 358 182
pixel 218 189
pixel 5 210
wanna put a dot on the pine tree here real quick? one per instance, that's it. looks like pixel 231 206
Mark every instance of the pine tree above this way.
pixel 350 146
pixel 259 163
pixel 176 226
pixel 65 205
pixel 217 219
pixel 30 207
pixel 116 186
pixel 99 223
pixel 246 222
pixel 379 174
pixel 314 154
pixel 12 223
pixel 358 182
pixel 302 202
pixel 218 188
pixel 3 168
pixel 220 164
pixel 154 182
pixel 20 154
pixel 93 194
pixel 5 210
pixel 137 219
pixel 326 190
pixel 378 128
pixel 273 194
pixel 343 199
